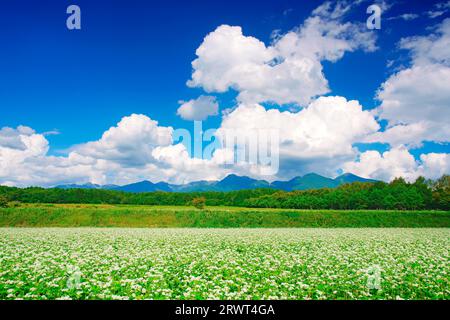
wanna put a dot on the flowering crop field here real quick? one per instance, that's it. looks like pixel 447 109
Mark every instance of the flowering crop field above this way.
pixel 100 263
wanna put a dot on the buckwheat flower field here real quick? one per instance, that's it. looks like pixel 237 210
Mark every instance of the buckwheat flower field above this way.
pixel 96 263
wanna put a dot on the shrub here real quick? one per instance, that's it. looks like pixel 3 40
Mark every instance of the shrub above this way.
pixel 199 202
pixel 3 202
pixel 14 204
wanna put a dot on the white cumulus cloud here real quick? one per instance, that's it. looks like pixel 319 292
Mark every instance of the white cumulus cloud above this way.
pixel 130 143
pixel 287 71
pixel 398 162
pixel 415 101
pixel 317 138
pixel 198 109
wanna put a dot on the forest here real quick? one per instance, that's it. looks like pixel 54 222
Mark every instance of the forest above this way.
pixel 399 194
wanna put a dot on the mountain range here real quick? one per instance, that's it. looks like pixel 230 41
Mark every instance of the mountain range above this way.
pixel 231 182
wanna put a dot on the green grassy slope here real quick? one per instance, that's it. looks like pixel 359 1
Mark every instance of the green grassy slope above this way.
pixel 211 217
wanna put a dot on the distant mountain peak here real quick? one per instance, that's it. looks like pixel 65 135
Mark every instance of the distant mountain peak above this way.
pixel 313 174
pixel 350 177
pixel 87 185
pixel 144 182
pixel 144 186
pixel 348 174
pixel 234 182
pixel 233 176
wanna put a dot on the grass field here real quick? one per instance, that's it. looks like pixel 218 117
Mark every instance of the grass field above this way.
pixel 52 215
pixel 120 263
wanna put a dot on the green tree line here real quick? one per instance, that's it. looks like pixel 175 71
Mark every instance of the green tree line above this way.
pixel 396 195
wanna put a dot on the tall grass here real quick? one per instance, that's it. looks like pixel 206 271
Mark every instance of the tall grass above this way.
pixel 212 217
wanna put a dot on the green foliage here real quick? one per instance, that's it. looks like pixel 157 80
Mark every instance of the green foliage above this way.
pixel 75 215
pixel 397 195
pixel 441 193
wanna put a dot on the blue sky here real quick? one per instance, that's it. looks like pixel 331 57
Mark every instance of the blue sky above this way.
pixel 135 57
